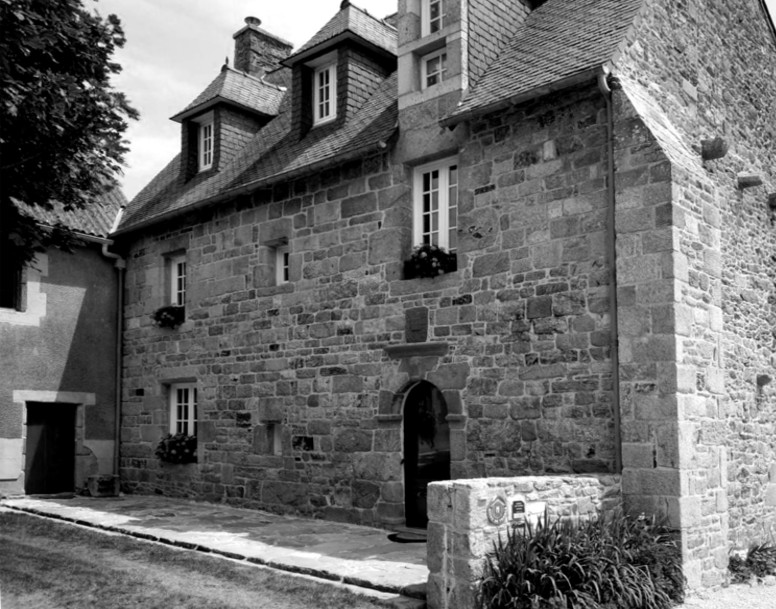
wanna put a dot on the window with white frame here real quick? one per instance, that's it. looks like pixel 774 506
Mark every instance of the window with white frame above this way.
pixel 324 93
pixel 433 16
pixel 282 264
pixel 433 68
pixel 183 409
pixel 205 142
pixel 435 208
pixel 177 273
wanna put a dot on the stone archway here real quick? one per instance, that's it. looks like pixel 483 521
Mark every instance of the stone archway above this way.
pixel 426 448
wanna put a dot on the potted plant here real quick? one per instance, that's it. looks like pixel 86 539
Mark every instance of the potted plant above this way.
pixel 178 448
pixel 169 316
pixel 430 260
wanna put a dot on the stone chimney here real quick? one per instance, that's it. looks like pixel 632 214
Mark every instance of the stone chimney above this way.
pixel 256 51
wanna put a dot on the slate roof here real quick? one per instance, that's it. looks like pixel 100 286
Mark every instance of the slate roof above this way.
pixel 271 155
pixel 96 220
pixel 238 88
pixel 354 20
pixel 559 40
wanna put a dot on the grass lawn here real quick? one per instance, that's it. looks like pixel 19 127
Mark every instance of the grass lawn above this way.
pixel 46 564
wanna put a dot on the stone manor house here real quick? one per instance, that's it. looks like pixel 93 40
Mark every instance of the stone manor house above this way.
pixel 600 176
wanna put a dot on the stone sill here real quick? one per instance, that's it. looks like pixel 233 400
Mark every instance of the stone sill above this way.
pixel 416 350
pixel 273 290
pixel 425 284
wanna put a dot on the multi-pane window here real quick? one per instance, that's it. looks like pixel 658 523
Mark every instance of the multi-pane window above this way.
pixel 433 16
pixel 183 409
pixel 282 264
pixel 324 94
pixel 436 204
pixel 434 68
pixel 178 280
pixel 205 147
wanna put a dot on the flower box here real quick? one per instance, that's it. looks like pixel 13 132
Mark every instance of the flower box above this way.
pixel 178 448
pixel 169 316
pixel 429 260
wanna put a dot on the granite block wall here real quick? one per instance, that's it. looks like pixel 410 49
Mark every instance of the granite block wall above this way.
pixel 517 338
pixel 721 238
pixel 467 517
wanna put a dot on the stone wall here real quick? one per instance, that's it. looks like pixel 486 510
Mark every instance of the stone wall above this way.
pixel 721 238
pixel 518 338
pixel 466 518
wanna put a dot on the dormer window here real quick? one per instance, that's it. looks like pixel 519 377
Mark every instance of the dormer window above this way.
pixel 433 16
pixel 324 89
pixel 205 142
pixel 433 68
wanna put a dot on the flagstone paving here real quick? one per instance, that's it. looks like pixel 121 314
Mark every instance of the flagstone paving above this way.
pixel 345 553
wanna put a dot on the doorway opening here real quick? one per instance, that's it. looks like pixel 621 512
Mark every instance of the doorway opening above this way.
pixel 50 449
pixel 426 448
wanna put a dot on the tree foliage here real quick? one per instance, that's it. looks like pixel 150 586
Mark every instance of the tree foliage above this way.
pixel 61 121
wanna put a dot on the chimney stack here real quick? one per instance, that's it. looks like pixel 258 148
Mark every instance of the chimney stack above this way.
pixel 256 51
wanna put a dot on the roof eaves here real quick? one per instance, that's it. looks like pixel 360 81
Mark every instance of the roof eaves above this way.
pixel 251 186
pixel 455 118
pixel 218 99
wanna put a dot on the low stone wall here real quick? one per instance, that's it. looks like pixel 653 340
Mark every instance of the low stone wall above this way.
pixel 467 516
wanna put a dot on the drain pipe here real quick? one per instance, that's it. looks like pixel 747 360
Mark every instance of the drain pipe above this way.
pixel 120 265
pixel 606 91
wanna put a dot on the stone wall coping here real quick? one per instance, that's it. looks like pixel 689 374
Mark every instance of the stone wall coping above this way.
pixel 542 481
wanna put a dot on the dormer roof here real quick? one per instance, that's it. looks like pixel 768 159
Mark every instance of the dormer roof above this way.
pixel 350 23
pixel 558 42
pixel 270 157
pixel 236 89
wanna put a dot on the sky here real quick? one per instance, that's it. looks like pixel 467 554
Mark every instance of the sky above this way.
pixel 175 48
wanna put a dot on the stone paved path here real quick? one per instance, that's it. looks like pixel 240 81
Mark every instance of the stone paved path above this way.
pixel 345 553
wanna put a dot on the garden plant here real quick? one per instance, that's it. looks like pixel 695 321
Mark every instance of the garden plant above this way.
pixel 602 563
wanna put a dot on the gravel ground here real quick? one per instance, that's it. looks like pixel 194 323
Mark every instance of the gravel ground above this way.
pixel 736 596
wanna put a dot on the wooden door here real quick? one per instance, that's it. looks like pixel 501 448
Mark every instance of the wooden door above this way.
pixel 50 449
pixel 426 448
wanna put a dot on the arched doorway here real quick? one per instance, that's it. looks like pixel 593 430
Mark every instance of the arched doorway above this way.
pixel 426 448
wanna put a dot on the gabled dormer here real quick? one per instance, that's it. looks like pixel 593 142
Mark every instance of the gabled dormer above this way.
pixel 237 104
pixel 340 68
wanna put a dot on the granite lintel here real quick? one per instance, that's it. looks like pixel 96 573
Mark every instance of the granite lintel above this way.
pixel 416 350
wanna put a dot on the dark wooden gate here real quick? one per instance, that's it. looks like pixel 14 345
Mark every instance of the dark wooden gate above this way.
pixel 426 448
pixel 50 454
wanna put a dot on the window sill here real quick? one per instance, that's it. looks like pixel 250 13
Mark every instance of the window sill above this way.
pixel 283 288
pixel 324 122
